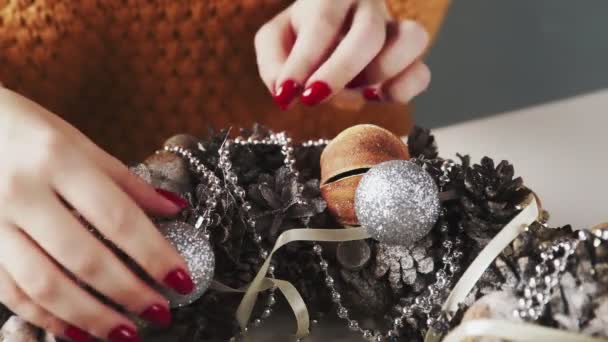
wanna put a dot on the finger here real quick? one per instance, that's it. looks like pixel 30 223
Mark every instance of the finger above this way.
pixel 19 303
pixel 406 41
pixel 272 44
pixel 102 203
pixel 154 201
pixel 67 241
pixel 408 84
pixel 141 192
pixel 316 36
pixel 360 45
pixel 42 281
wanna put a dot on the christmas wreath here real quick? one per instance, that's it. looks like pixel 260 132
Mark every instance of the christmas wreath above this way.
pixel 406 249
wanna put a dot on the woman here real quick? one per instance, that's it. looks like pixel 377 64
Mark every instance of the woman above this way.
pixel 128 74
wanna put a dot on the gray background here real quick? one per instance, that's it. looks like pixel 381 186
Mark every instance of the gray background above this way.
pixel 497 55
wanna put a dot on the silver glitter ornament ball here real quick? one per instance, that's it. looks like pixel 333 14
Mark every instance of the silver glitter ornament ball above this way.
pixel 397 202
pixel 196 251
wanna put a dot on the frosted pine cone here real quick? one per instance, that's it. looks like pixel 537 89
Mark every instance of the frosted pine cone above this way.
pixel 403 264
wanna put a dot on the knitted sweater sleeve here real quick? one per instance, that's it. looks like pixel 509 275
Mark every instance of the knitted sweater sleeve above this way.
pixel 429 13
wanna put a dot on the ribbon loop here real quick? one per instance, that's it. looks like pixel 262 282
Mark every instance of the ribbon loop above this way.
pixel 243 313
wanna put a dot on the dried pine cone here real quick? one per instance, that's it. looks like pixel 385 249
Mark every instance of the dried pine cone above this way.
pixel 421 143
pixel 298 264
pixel 364 294
pixel 245 269
pixel 404 265
pixel 490 199
pixel 212 316
pixel 277 205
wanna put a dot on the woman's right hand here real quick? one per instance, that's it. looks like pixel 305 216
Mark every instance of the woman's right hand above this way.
pixel 49 168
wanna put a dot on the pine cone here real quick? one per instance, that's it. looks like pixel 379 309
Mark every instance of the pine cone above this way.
pixel 308 161
pixel 299 265
pixel 490 199
pixel 404 265
pixel 245 269
pixel 275 203
pixel 212 316
pixel 421 142
pixel 364 294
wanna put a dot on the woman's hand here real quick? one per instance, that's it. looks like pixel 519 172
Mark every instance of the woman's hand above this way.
pixel 316 48
pixel 49 169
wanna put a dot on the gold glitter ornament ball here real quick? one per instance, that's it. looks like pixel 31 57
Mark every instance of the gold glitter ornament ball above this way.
pixel 397 202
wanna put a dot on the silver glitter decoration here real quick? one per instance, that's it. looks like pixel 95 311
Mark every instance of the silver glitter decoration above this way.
pixel 196 250
pixel 397 202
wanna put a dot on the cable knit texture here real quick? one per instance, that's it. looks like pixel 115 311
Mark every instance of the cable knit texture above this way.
pixel 130 73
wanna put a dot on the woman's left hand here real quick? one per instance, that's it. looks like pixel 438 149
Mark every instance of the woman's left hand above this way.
pixel 317 48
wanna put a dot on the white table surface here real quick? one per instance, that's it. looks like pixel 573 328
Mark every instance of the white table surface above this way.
pixel 558 148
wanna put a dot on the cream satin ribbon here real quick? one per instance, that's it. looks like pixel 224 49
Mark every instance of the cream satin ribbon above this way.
pixel 469 278
pixel 260 282
pixel 295 301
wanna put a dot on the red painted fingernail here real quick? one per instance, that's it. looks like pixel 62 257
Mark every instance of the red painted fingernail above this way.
pixel 157 314
pixel 286 92
pixel 123 333
pixel 359 81
pixel 77 335
pixel 180 281
pixel 371 94
pixel 315 93
pixel 173 197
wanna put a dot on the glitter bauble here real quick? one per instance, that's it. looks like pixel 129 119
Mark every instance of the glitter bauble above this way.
pixel 196 251
pixel 397 202
pixel 347 157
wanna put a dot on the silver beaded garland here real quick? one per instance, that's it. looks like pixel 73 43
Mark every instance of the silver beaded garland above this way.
pixel 196 251
pixel 536 292
pixel 397 202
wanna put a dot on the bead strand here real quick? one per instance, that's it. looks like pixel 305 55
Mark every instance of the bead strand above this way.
pixel 203 220
pixel 537 291
pixel 231 179
pixel 284 142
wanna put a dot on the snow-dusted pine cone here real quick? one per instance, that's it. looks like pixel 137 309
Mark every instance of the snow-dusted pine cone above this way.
pixel 404 265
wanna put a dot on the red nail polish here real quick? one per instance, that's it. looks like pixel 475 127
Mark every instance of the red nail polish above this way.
pixel 359 81
pixel 173 197
pixel 76 334
pixel 123 333
pixel 180 281
pixel 286 92
pixel 315 93
pixel 157 314
pixel 371 94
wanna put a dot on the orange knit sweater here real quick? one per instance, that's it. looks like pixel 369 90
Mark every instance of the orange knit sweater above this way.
pixel 130 73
